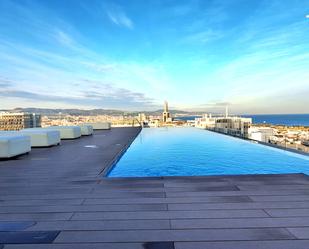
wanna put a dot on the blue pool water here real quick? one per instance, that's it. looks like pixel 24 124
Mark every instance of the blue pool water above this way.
pixel 191 152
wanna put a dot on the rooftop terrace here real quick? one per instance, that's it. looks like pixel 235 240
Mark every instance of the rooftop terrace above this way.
pixel 56 198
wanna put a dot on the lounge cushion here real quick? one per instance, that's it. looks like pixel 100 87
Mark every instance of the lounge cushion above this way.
pixel 42 137
pixel 100 125
pixel 12 144
pixel 86 130
pixel 67 132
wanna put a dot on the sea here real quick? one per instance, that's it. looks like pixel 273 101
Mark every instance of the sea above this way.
pixel 275 119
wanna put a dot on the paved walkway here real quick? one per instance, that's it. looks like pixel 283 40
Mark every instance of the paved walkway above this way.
pixel 55 198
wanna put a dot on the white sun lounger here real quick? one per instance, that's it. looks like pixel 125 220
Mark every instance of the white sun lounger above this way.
pixel 42 137
pixel 12 144
pixel 66 132
pixel 100 125
pixel 86 130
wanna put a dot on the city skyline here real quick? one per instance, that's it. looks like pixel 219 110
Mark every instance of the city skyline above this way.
pixel 199 55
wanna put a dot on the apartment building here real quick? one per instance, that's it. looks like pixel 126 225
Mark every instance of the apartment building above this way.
pixel 18 121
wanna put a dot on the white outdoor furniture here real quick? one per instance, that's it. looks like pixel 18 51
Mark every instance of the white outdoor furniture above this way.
pixel 66 132
pixel 13 144
pixel 86 130
pixel 42 137
pixel 100 125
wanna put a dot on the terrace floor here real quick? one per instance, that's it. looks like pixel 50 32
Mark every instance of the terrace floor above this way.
pixel 55 198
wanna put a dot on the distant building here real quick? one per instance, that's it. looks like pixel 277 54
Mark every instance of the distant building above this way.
pixel 205 122
pixel 235 126
pixel 262 134
pixel 141 117
pixel 166 116
pixel 18 121
pixel 143 120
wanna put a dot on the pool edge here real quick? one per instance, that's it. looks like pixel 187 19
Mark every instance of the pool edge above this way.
pixel 193 177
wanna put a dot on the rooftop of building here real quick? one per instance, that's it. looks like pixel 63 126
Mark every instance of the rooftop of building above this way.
pixel 57 198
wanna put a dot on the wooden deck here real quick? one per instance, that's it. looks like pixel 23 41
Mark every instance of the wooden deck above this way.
pixel 55 198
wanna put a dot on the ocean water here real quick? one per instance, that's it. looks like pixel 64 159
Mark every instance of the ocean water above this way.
pixel 187 118
pixel 276 119
pixel 191 152
pixel 281 119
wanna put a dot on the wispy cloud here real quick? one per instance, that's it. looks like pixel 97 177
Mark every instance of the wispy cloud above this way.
pixel 110 79
pixel 207 25
pixel 119 17
pixel 216 104
pixel 63 38
pixel 43 70
pixel 101 67
pixel 107 96
pixel 204 36
pixel 5 83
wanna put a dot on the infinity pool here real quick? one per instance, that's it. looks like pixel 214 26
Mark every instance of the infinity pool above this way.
pixel 192 152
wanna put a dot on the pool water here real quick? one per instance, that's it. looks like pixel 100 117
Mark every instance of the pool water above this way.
pixel 193 152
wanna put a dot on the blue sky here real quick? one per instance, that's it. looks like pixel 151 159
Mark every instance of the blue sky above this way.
pixel 132 55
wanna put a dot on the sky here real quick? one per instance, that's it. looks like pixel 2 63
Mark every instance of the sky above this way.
pixel 200 55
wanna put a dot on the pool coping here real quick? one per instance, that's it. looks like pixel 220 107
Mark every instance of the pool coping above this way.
pixel 195 177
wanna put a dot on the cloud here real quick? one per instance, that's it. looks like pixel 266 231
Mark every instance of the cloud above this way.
pixel 106 92
pixel 216 107
pixel 203 36
pixel 37 22
pixel 101 67
pixel 5 83
pixel 63 38
pixel 106 96
pixel 215 104
pixel 295 101
pixel 38 70
pixel 118 17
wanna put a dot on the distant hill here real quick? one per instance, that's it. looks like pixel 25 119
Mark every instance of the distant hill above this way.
pixel 92 112
pixel 45 111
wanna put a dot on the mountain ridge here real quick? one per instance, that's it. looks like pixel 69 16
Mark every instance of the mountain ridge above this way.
pixel 92 112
